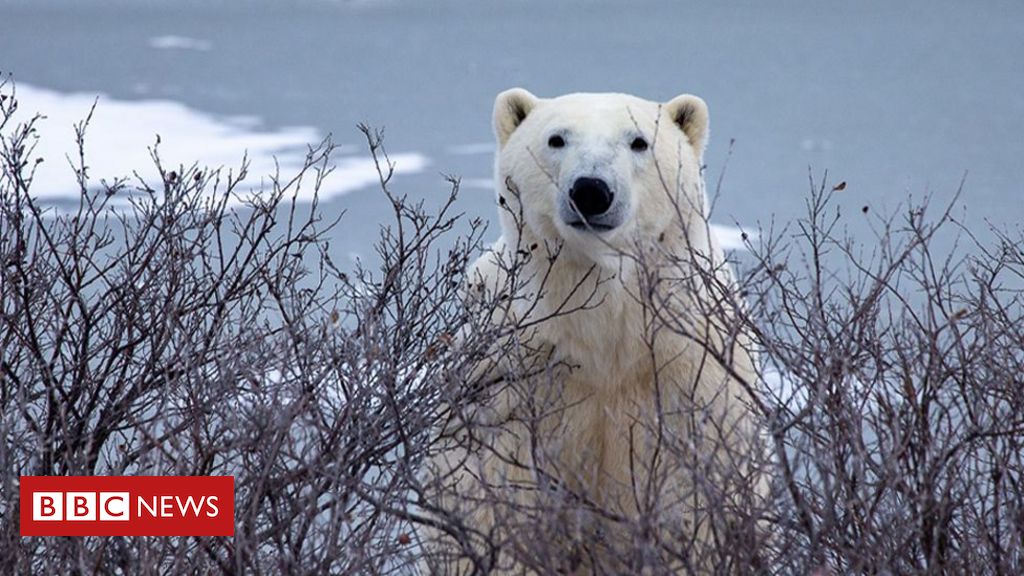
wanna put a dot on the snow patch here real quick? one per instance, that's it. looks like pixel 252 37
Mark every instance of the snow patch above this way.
pixel 171 42
pixel 121 131
pixel 732 237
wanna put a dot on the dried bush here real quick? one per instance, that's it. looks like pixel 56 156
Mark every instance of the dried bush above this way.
pixel 897 418
pixel 198 330
pixel 186 327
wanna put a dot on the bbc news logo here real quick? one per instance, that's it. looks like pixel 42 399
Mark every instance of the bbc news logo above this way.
pixel 127 505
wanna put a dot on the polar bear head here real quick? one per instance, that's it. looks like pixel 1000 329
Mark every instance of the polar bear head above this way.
pixel 599 171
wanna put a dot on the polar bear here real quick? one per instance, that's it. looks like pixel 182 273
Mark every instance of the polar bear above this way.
pixel 630 408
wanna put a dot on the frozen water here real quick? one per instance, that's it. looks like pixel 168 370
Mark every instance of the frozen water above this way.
pixel 121 132
pixel 895 98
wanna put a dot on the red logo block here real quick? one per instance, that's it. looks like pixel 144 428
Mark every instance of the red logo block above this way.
pixel 127 505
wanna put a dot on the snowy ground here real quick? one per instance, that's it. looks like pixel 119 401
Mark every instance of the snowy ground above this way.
pixel 894 98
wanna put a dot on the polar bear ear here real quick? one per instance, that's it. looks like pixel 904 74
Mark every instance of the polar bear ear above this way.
pixel 690 113
pixel 510 109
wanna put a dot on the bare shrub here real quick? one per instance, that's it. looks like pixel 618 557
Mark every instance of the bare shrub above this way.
pixel 186 327
pixel 896 416
pixel 196 329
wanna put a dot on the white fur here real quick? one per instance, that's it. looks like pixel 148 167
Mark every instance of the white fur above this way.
pixel 618 374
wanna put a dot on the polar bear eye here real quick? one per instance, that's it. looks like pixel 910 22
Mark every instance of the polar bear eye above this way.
pixel 556 141
pixel 638 144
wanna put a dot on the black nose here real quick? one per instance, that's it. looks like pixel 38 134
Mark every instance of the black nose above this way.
pixel 591 196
